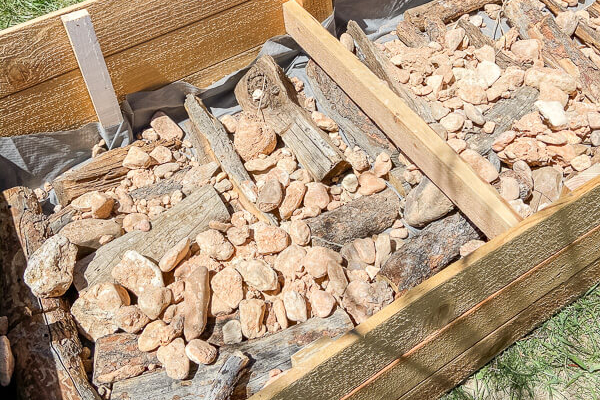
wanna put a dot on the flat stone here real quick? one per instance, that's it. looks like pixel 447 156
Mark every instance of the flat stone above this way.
pixel 232 332
pixel 227 286
pixel 562 80
pixel 197 176
pixel 453 38
pixel 270 195
pixel 295 306
pixel 88 232
pixel 137 273
pixel 174 255
pixel 196 301
pixel 480 164
pixel 581 162
pixel 162 154
pixel 473 114
pixel 270 239
pixel 294 195
pixel 553 112
pixel 258 274
pixel 252 313
pixel 7 361
pixel 131 319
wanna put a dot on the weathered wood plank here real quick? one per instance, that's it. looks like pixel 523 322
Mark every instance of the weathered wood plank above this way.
pixel 410 35
pixel 447 10
pixel 280 109
pixel 366 216
pixel 42 333
pixel 162 187
pixel 265 354
pixel 101 173
pixel 186 219
pixel 476 199
pixel 213 136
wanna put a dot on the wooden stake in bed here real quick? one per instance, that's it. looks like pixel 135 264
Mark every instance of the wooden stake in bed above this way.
pixel 280 109
pixel 477 199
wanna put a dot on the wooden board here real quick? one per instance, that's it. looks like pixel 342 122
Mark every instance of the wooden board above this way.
pixel 476 198
pixel 452 293
pixel 167 44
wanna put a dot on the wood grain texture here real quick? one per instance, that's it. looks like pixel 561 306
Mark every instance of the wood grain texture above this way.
pixel 42 333
pixel 186 219
pixel 584 31
pixel 454 291
pixel 101 173
pixel 228 376
pixel 90 60
pixel 475 198
pixel 447 10
pixel 267 353
pixel 410 35
pixel 280 109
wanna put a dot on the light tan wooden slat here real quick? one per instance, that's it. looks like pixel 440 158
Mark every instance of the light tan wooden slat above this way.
pixel 80 30
pixel 476 198
pixel 351 360
pixel 423 361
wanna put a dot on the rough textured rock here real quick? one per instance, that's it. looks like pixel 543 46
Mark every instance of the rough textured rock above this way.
pixel 270 195
pixel 156 334
pixel 317 260
pixel 361 299
pixel 49 270
pixel 7 361
pixel 322 303
pixel 232 332
pixel 252 313
pixel 253 138
pixel 258 274
pixel 174 359
pixel 136 222
pixel 87 232
pixel 137 158
pixel 137 273
pixel 289 261
pixel 481 165
pixel 295 306
pixel 299 232
pixel 294 195
pixel 270 239
pixel 426 203
pixel 154 300
pixel 196 298
pixel 131 319
pixel 200 352
pixel 213 244
pixel 370 183
pixel 227 286
pixel 316 195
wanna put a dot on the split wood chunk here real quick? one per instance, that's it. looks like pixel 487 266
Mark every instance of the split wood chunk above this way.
pixel 446 10
pixel 186 219
pixel 160 188
pixel 410 35
pixel 385 70
pixel 583 31
pixel 357 127
pixel 43 336
pixel 218 145
pixel 266 353
pixel 428 253
pixel 227 377
pixel 102 173
pixel 557 47
pixel 365 216
pixel 279 106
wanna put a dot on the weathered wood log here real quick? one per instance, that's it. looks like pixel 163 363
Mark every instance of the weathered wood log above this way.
pixel 42 332
pixel 265 354
pixel 385 70
pixel 504 113
pixel 359 218
pixel 59 220
pixel 228 376
pixel 410 35
pixel 557 47
pixel 186 219
pixel 477 39
pixel 198 142
pixel 281 111
pixel 422 256
pixel 214 137
pixel 435 29
pixel 447 10
pixel 160 188
pixel 117 357
pixel 584 31
pixel 357 127
pixel 101 173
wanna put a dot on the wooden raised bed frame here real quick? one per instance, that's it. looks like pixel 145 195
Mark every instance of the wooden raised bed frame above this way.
pixel 436 334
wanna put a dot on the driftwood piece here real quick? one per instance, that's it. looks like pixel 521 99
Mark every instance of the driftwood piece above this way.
pixel 559 51
pixel 356 126
pixel 435 29
pixel 425 255
pixel 117 357
pixel 219 146
pixel 410 35
pixel 59 220
pixel 359 218
pixel 447 10
pixel 477 39
pixel 101 173
pixel 504 113
pixel 198 142
pixel 228 376
pixel 186 219
pixel 385 70
pixel 267 353
pixel 280 109
pixel 160 188
pixel 42 332
pixel 584 31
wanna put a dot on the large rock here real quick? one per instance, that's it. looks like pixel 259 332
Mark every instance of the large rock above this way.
pixel 258 274
pixel 49 271
pixel 214 244
pixel 137 273
pixel 253 137
pixel 227 286
pixel 87 232
pixel 362 300
pixel 426 203
pixel 252 313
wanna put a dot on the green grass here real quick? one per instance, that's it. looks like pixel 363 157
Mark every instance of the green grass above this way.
pixel 559 360
pixel 13 12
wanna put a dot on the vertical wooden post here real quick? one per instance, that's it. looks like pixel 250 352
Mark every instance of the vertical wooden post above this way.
pixel 82 36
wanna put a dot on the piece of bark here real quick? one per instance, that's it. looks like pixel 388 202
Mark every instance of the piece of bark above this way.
pixel 477 39
pixel 219 146
pixel 584 31
pixel 186 219
pixel 42 332
pixel 594 9
pixel 198 142
pixel 160 188
pixel 532 24
pixel 435 29
pixel 385 70
pixel 265 354
pixel 422 256
pixel 228 376
pixel 59 220
pixel 101 173
pixel 410 35
pixel 280 108
pixel 447 10
pixel 357 127
pixel 365 216
pixel 117 357
pixel 504 113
